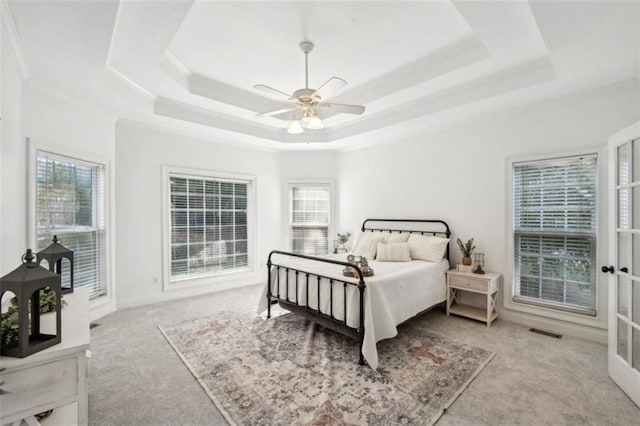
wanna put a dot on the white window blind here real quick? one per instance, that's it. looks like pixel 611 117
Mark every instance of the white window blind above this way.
pixel 309 219
pixel 554 227
pixel 70 203
pixel 208 226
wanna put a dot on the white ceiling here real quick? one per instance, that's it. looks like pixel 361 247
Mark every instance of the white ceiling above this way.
pixel 191 65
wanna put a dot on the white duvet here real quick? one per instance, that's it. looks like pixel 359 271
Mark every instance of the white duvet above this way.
pixel 396 292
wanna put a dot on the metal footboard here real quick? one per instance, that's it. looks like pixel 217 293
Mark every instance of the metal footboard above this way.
pixel 302 278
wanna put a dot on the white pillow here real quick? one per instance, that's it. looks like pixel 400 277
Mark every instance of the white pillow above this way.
pixel 368 245
pixel 359 235
pixel 394 252
pixel 426 247
pixel 397 237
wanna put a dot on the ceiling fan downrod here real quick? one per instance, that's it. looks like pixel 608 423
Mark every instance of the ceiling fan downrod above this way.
pixel 306 47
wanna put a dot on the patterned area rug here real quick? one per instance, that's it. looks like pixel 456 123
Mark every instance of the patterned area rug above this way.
pixel 288 371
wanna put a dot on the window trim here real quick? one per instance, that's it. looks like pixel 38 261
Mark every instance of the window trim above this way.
pixel 286 203
pixel 600 319
pixel 176 284
pixel 101 305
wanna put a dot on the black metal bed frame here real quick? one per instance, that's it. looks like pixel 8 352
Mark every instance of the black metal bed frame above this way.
pixel 302 278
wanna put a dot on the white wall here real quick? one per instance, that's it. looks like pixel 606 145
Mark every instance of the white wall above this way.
pixel 459 175
pixel 308 165
pixel 52 119
pixel 13 238
pixel 305 167
pixel 60 123
pixel 140 154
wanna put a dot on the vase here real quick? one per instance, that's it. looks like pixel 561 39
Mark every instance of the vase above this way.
pixel 466 261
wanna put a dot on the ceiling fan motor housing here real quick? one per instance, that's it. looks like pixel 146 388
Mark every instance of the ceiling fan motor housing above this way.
pixel 305 95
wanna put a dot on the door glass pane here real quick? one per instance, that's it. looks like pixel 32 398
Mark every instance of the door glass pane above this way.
pixel 635 299
pixel 623 295
pixel 635 256
pixel 635 355
pixel 636 160
pixel 623 249
pixel 622 339
pixel 636 207
pixel 623 208
pixel 623 164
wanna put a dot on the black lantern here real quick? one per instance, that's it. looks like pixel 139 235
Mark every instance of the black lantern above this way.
pixel 54 254
pixel 27 282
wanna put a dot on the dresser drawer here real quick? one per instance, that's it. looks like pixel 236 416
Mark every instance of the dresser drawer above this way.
pixel 468 283
pixel 42 384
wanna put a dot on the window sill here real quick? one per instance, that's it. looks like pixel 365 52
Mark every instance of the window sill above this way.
pixel 101 306
pixel 598 321
pixel 208 280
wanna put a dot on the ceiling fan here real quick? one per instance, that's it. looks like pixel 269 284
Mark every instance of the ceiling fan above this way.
pixel 308 102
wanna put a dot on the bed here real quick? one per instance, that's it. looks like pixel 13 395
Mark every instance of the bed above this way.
pixel 368 309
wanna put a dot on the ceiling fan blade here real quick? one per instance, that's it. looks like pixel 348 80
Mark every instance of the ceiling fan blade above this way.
pixel 329 87
pixel 277 111
pixel 343 108
pixel 270 90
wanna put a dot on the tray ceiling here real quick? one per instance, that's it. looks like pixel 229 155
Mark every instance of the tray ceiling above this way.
pixel 191 65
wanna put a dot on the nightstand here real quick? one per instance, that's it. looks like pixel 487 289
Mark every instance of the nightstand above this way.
pixel 54 378
pixel 485 284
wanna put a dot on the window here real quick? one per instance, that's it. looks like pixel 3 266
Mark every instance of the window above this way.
pixel 70 203
pixel 208 225
pixel 554 226
pixel 309 218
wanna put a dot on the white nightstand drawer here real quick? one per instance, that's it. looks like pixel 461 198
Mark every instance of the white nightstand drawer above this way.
pixel 42 384
pixel 467 282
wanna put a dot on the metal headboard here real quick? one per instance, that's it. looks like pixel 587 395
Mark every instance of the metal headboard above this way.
pixel 441 224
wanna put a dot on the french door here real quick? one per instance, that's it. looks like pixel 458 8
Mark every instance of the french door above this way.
pixel 624 266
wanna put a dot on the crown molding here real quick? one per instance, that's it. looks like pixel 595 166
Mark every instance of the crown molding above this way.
pixel 110 70
pixel 175 68
pixel 112 42
pixel 11 40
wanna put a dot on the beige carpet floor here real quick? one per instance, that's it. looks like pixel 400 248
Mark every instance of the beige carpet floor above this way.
pixel 135 377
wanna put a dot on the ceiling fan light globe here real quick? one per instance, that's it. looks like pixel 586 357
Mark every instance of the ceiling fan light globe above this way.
pixel 295 128
pixel 315 123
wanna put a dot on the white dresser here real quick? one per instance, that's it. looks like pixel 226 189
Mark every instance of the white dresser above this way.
pixel 55 378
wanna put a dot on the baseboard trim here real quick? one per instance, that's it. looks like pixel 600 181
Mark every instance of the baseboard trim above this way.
pixel 169 296
pixel 593 334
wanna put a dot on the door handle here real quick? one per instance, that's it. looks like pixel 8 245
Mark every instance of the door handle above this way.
pixel 624 269
pixel 609 269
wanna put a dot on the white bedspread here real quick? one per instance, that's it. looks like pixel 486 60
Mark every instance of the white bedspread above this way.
pixel 397 292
